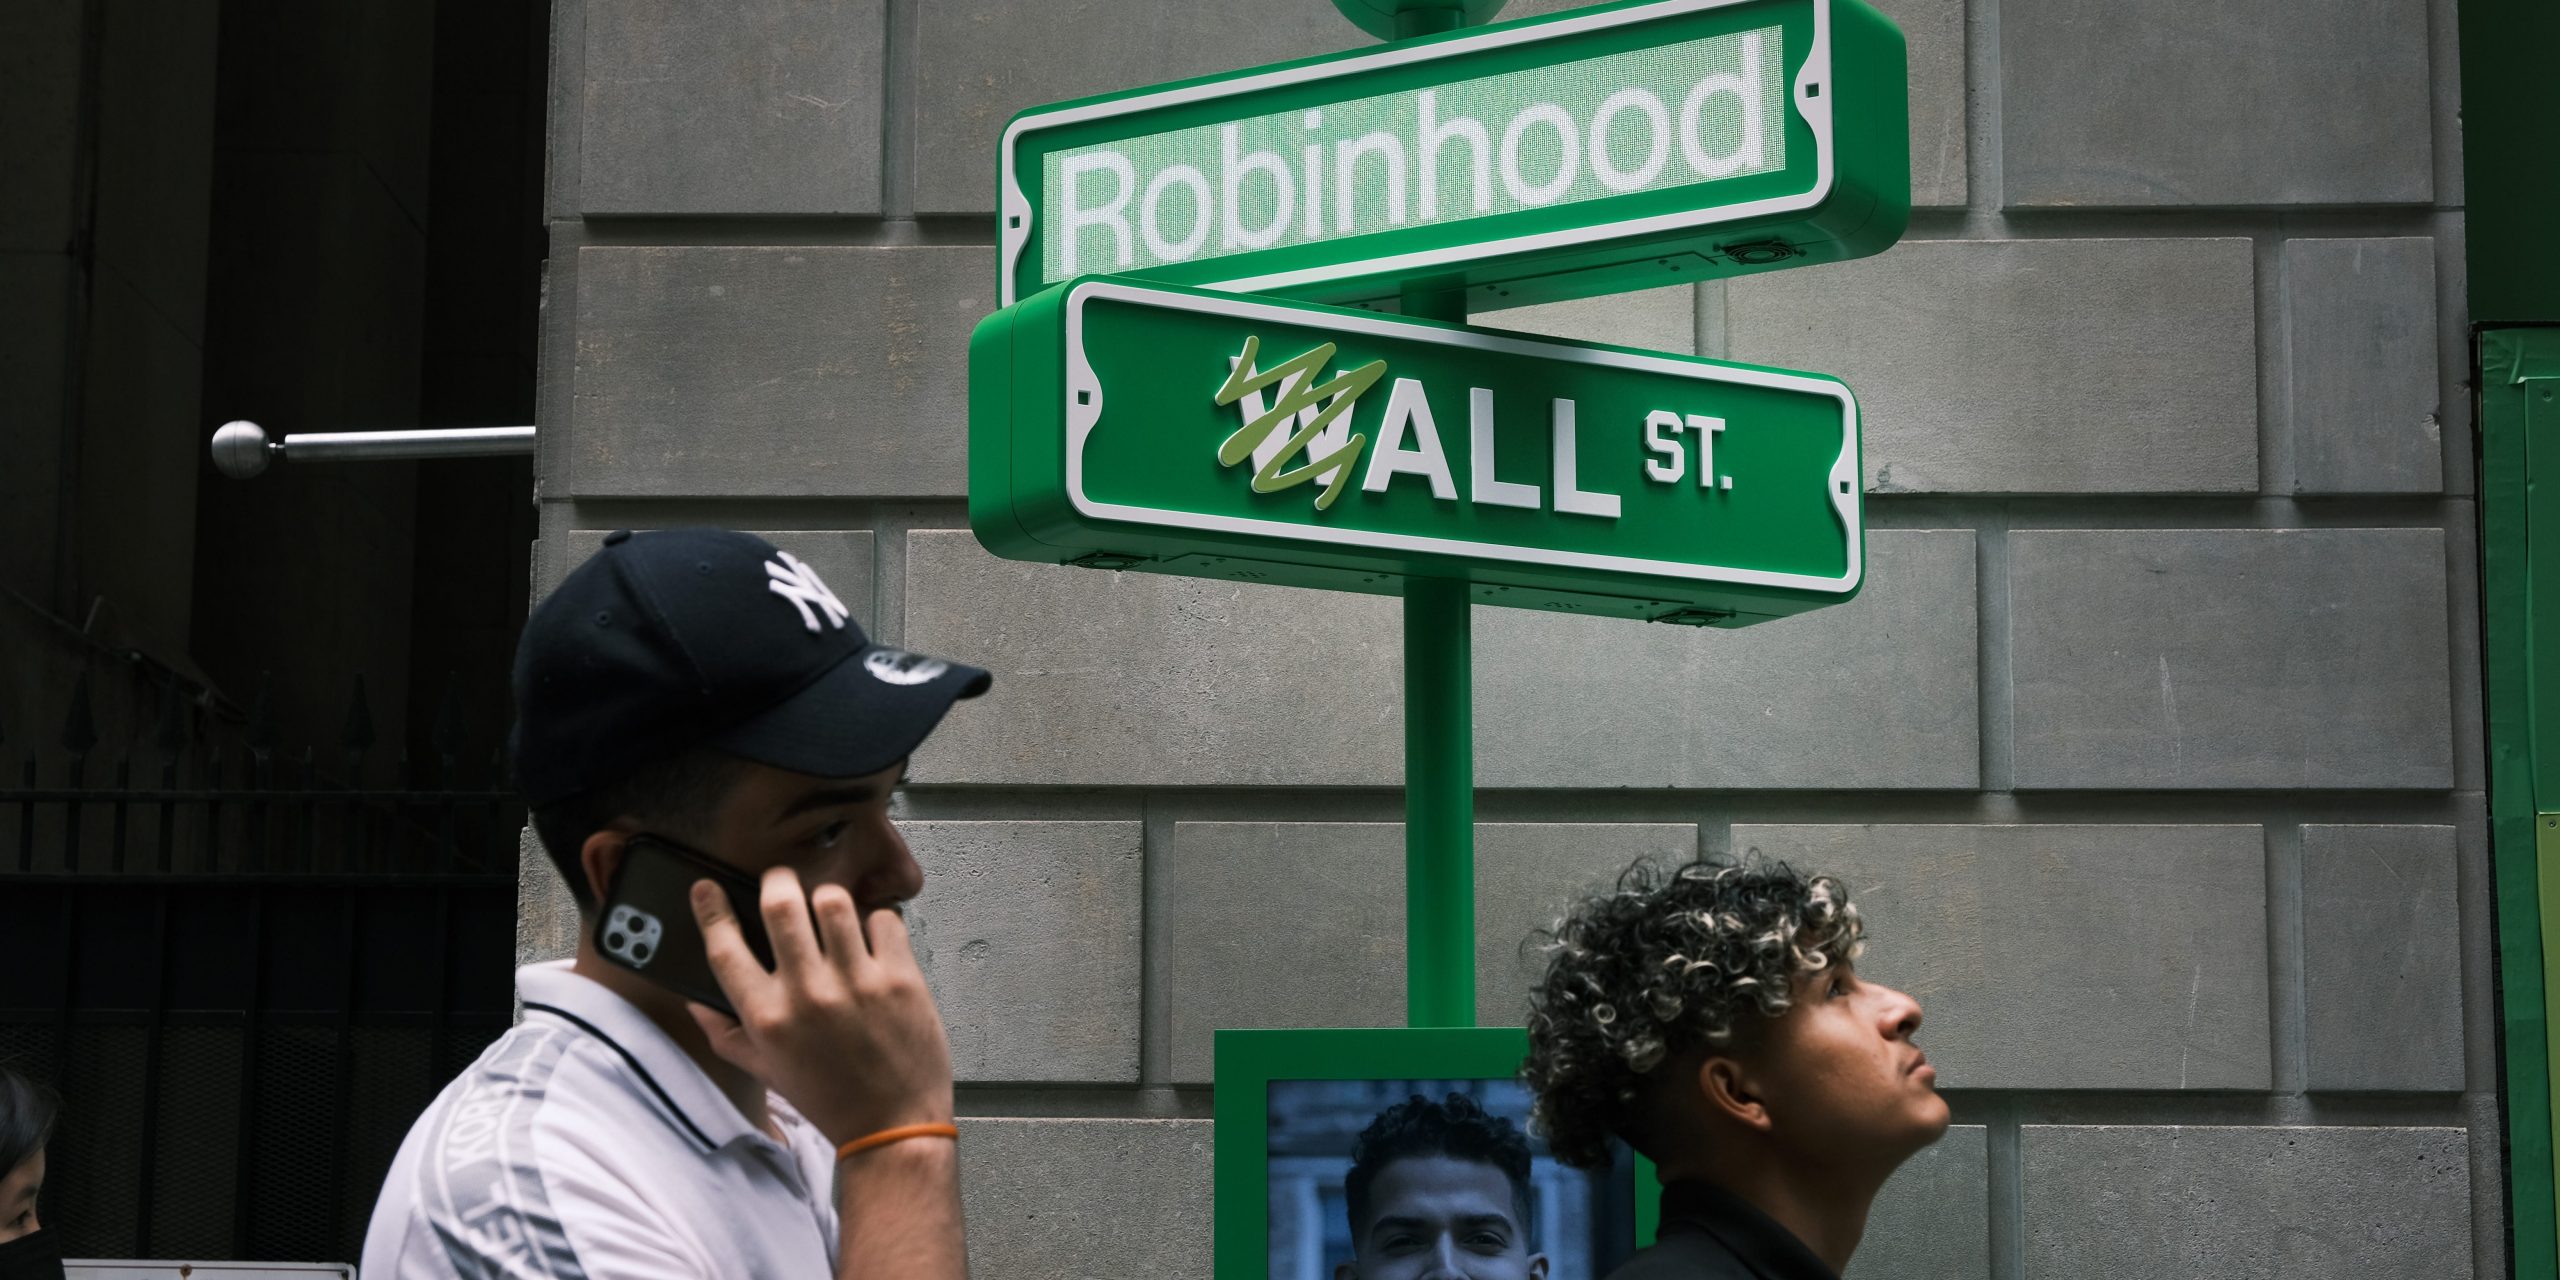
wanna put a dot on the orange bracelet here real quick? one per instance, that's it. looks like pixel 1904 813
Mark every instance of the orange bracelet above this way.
pixel 899 1134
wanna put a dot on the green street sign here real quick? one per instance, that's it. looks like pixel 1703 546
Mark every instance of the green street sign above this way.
pixel 1129 425
pixel 1596 151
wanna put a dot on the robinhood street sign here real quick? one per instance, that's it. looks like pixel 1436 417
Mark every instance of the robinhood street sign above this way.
pixel 1591 152
pixel 1142 426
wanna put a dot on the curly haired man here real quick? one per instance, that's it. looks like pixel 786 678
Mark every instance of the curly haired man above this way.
pixel 1712 1017
pixel 1440 1191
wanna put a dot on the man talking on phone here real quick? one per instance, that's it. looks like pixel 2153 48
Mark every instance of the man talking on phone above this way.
pixel 698 693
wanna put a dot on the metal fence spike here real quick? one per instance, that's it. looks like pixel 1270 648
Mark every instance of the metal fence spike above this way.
pixel 80 728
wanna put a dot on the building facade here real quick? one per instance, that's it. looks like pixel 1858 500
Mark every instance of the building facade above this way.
pixel 2152 748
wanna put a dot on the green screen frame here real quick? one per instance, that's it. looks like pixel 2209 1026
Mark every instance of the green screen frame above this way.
pixel 1248 1061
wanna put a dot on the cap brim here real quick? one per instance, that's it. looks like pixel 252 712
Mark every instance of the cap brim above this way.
pixel 853 720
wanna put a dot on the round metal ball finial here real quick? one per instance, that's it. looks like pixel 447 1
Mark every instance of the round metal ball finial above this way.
pixel 240 449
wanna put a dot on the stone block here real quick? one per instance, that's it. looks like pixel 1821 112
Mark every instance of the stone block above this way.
pixel 1029 932
pixel 2029 366
pixel 842 558
pixel 1934 33
pixel 2245 1203
pixel 754 107
pixel 1653 319
pixel 1933 1220
pixel 1323 904
pixel 40 61
pixel 2200 102
pixel 547 923
pixel 1879 692
pixel 1144 679
pixel 978 62
pixel 1086 1199
pixel 1527 874
pixel 1141 678
pixel 2381 958
pixel 1281 924
pixel 772 371
pixel 2360 365
pixel 2061 957
pixel 2231 658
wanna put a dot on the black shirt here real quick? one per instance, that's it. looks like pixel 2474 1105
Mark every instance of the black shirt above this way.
pixel 1711 1234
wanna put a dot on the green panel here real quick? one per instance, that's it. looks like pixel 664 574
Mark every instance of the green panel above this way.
pixel 1545 473
pixel 2520 369
pixel 2510 183
pixel 1596 151
pixel 1248 1061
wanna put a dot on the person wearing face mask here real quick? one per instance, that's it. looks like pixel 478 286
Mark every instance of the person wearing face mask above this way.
pixel 27 1109
pixel 1713 1018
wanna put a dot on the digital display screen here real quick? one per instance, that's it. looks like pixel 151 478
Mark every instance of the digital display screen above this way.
pixel 1374 1178
pixel 1643 120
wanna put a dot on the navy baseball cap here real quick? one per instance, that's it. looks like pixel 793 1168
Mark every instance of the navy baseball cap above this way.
pixel 683 638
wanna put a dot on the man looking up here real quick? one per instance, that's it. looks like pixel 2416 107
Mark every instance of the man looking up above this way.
pixel 1711 1016
pixel 702 687
pixel 1440 1191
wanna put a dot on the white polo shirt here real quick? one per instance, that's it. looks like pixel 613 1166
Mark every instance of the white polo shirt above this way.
pixel 585 1143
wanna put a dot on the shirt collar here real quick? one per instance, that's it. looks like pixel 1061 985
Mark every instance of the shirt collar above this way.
pixel 673 1081
pixel 1753 1237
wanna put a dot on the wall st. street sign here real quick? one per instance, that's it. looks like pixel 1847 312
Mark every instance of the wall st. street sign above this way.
pixel 1601 150
pixel 1134 425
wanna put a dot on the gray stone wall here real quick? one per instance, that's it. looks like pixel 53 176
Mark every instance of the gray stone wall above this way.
pixel 2153 746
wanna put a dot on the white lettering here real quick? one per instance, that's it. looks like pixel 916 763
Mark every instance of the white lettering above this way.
pixel 1231 175
pixel 1568 156
pixel 1752 150
pixel 1407 407
pixel 1571 497
pixel 1076 217
pixel 1150 231
pixel 1315 187
pixel 1708 429
pixel 1667 468
pixel 1655 114
pixel 1335 434
pixel 1345 155
pixel 1435 135
pixel 1485 488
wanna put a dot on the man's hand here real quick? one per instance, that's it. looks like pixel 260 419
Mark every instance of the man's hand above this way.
pixel 844 1026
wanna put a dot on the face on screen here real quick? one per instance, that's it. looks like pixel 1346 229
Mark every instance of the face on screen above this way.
pixel 1435 1217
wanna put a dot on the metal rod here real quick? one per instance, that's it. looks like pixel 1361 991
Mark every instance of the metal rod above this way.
pixel 242 449
pixel 1439 735
pixel 1439 806
pixel 443 442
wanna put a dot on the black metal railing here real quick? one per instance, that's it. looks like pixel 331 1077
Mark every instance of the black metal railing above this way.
pixel 247 969
pixel 188 803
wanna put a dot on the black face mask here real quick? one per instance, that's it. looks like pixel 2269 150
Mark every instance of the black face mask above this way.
pixel 34 1256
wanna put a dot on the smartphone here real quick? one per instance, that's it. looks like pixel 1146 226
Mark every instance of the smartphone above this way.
pixel 647 925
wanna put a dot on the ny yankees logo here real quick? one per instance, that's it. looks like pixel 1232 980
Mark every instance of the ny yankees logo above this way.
pixel 799 584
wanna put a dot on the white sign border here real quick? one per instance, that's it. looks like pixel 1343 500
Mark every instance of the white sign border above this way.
pixel 1084 402
pixel 1014 219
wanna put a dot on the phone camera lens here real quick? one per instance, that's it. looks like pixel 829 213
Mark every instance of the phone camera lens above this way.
pixel 640 952
pixel 613 941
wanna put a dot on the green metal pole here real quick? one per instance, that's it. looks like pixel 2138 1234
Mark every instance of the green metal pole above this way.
pixel 1439 741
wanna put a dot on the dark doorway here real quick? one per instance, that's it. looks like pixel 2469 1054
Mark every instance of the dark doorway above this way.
pixel 257 855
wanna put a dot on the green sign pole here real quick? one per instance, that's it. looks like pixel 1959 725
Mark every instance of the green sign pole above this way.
pixel 1439 738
